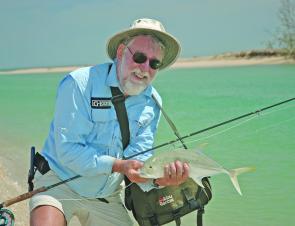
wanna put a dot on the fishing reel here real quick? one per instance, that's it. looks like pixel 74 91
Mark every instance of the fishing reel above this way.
pixel 6 218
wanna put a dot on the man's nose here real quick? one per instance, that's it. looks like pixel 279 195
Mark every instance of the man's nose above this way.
pixel 145 66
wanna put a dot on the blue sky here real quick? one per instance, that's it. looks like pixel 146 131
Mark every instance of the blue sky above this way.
pixel 37 33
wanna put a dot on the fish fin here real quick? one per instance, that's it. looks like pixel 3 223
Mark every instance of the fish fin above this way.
pixel 233 173
pixel 198 180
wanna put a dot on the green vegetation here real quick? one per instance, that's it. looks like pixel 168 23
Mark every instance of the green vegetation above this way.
pixel 284 36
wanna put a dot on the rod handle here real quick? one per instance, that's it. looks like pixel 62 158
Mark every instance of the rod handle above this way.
pixel 22 197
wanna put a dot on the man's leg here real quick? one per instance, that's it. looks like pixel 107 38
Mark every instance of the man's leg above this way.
pixel 47 216
pixel 46 208
pixel 94 212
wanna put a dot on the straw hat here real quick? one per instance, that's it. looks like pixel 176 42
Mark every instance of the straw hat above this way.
pixel 147 26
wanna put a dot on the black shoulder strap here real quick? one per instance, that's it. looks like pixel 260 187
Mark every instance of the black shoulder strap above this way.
pixel 173 127
pixel 118 100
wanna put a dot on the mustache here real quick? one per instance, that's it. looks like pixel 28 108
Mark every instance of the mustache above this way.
pixel 141 74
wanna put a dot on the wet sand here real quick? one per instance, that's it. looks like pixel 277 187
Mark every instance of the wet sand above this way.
pixel 10 189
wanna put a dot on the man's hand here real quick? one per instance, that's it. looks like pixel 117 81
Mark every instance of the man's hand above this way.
pixel 130 169
pixel 175 173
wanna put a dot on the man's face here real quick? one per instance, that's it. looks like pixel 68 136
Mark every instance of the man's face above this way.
pixel 135 77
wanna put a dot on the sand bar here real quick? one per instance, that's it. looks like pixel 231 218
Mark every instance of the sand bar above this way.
pixel 196 62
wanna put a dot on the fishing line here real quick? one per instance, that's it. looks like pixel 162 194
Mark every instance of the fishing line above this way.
pixel 266 127
pixel 212 127
pixel 244 136
pixel 278 109
pixel 257 116
pixel 219 132
pixel 275 124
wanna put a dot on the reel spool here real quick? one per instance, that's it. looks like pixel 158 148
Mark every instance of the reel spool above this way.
pixel 6 218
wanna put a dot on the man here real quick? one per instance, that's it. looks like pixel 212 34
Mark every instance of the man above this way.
pixel 85 137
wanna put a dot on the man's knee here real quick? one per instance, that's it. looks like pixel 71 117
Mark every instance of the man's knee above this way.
pixel 47 216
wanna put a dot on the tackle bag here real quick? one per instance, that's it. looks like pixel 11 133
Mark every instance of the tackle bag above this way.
pixel 161 206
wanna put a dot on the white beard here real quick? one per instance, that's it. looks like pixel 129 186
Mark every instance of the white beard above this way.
pixel 130 89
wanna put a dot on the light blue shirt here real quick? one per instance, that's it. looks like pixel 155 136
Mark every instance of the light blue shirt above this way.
pixel 85 141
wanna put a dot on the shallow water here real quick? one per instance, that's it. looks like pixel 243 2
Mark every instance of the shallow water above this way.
pixel 194 99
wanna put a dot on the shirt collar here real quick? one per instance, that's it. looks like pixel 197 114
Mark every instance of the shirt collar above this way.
pixel 112 80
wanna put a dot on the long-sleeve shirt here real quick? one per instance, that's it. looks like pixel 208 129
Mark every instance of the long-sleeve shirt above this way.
pixel 85 137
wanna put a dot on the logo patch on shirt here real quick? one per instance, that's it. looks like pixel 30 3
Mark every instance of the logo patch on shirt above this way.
pixel 101 102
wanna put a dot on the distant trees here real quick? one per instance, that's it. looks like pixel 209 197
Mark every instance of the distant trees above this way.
pixel 284 36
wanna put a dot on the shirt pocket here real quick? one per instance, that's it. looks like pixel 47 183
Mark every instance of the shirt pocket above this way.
pixel 138 122
pixel 105 126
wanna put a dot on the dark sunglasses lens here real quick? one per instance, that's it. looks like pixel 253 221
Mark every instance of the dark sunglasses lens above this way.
pixel 139 57
pixel 155 64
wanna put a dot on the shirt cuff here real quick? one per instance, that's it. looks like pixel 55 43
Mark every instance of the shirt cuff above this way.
pixel 105 164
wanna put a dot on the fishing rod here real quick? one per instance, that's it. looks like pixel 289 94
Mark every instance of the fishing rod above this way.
pixel 7 217
pixel 212 127
pixel 28 195
pixel 45 188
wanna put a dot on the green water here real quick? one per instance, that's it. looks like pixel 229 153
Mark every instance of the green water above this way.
pixel 194 99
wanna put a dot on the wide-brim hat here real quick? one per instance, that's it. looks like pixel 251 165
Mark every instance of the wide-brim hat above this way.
pixel 147 26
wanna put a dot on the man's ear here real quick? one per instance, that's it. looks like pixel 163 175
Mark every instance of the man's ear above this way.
pixel 120 51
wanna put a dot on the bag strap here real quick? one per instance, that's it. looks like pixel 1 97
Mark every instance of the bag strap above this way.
pixel 171 124
pixel 173 127
pixel 118 100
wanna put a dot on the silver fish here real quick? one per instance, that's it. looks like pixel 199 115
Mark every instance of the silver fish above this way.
pixel 200 166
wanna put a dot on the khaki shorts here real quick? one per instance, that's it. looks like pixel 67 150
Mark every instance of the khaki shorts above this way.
pixel 90 212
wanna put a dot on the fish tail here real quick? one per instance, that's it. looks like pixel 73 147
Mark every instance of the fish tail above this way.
pixel 233 173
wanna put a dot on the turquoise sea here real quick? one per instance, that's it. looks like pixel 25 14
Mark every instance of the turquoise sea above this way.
pixel 194 99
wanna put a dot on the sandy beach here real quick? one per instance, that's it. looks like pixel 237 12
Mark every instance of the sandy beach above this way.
pixel 213 61
pixel 11 189
pixel 196 62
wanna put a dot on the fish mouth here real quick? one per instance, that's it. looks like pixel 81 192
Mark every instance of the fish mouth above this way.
pixel 146 175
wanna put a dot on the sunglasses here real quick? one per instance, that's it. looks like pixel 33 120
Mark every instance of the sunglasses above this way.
pixel 140 58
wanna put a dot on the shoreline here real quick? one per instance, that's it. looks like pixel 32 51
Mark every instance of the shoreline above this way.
pixel 9 189
pixel 216 61
pixel 195 62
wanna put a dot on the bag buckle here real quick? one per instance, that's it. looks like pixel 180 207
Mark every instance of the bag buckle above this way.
pixel 193 203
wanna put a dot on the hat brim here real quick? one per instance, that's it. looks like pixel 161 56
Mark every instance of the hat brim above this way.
pixel 172 46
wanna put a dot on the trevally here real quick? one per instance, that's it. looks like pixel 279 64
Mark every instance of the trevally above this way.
pixel 200 166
